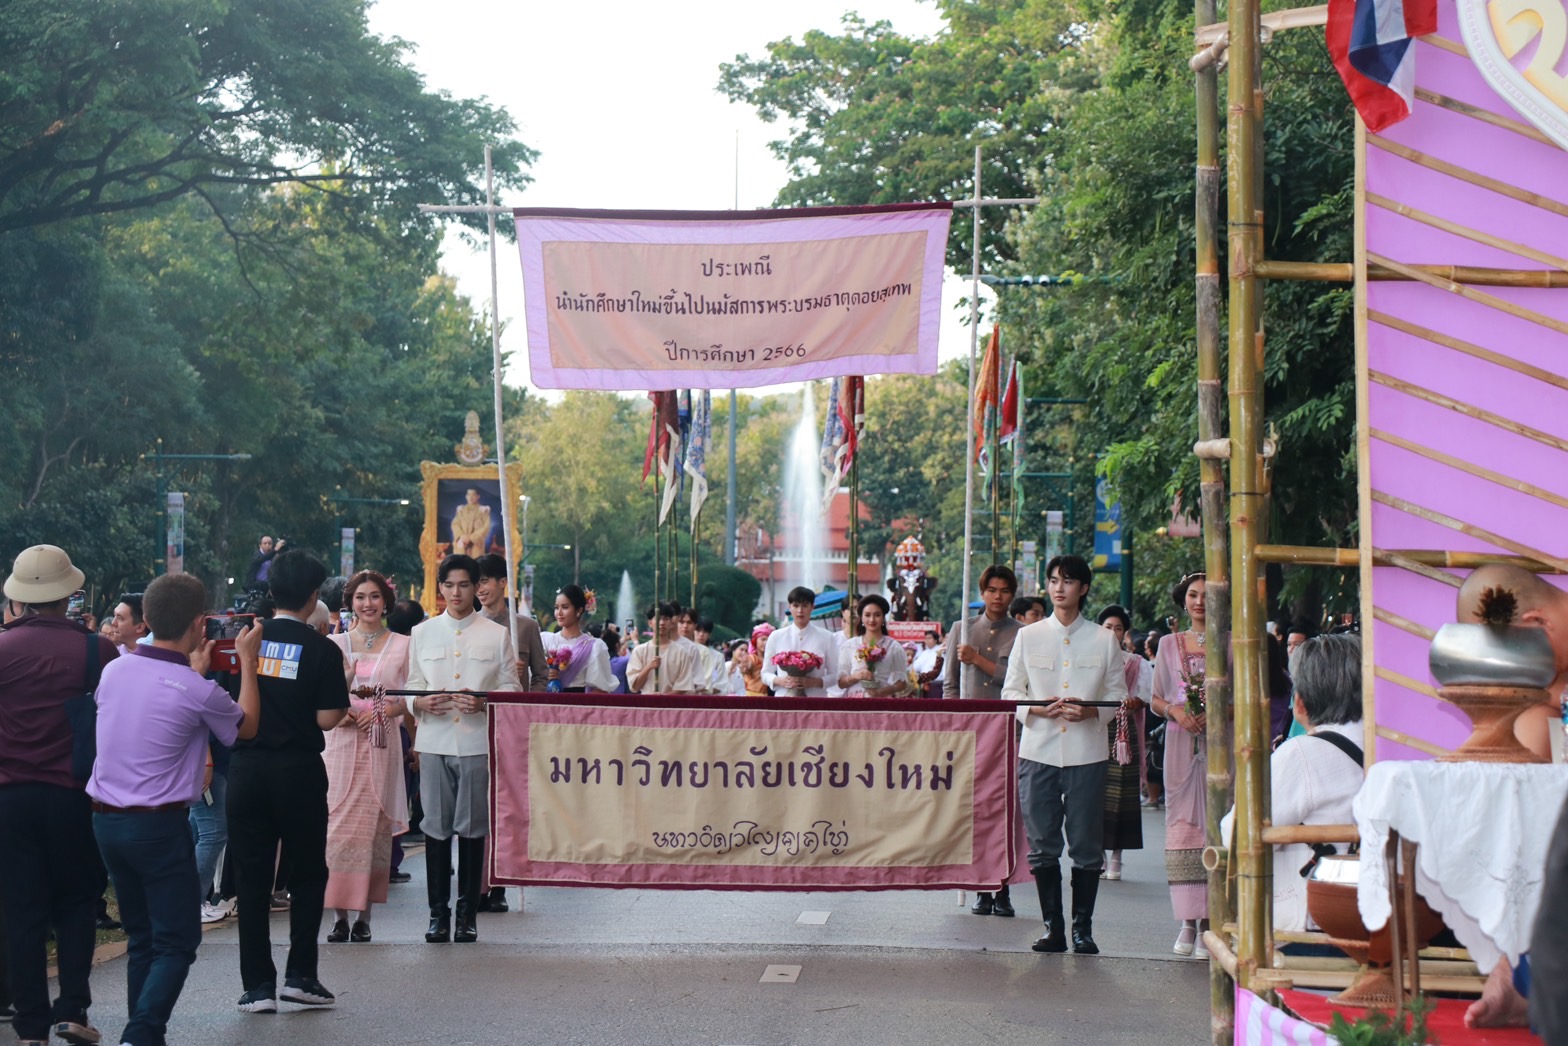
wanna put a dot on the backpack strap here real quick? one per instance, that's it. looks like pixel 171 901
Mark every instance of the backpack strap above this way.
pixel 89 679
pixel 1344 744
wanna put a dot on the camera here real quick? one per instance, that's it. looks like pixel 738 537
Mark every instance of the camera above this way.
pixel 223 630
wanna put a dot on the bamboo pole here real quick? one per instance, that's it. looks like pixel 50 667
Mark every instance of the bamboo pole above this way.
pixel 1466 109
pixel 852 585
pixel 1302 555
pixel 1344 272
pixel 1222 1001
pixel 1501 421
pixel 1528 277
pixel 696 521
pixel 1432 163
pixel 1468 529
pixel 1458 345
pixel 1251 858
pixel 1285 834
pixel 1479 297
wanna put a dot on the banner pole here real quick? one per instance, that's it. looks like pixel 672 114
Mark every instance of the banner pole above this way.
pixel 995 411
pixel 658 537
pixel 695 522
pixel 508 503
pixel 969 430
pixel 1015 489
pixel 853 585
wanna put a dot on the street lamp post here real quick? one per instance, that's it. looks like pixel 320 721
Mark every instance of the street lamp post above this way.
pixel 159 457
pixel 339 499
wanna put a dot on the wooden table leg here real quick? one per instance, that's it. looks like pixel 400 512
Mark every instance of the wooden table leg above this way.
pixel 1395 936
pixel 1408 890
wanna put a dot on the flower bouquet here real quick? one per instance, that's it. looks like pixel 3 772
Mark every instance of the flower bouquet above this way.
pixel 557 659
pixel 1194 687
pixel 590 602
pixel 797 662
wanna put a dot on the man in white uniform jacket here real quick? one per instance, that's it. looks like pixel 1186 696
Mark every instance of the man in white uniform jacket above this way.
pixel 801 634
pixel 1064 659
pixel 460 650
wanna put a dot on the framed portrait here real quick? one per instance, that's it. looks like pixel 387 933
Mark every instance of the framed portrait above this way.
pixel 465 513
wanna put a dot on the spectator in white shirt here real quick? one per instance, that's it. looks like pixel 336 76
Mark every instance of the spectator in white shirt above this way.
pixel 801 634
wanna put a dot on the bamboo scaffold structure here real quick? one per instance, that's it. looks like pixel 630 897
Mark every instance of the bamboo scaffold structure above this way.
pixel 1217 678
pixel 1251 858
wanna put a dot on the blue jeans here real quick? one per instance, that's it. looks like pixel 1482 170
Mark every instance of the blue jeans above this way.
pixel 153 864
pixel 210 829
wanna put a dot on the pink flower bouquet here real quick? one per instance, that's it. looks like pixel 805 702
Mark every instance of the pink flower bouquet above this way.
pixel 797 662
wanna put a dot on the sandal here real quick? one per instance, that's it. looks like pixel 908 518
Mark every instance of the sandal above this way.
pixel 1185 940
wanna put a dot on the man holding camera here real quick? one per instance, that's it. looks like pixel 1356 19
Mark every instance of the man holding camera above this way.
pixel 278 789
pixel 46 830
pixel 158 710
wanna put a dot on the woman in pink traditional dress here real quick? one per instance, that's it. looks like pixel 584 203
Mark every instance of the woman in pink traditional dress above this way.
pixel 1178 666
pixel 881 675
pixel 366 801
pixel 589 668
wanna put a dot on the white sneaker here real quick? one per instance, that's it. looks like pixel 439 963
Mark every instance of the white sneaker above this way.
pixel 211 913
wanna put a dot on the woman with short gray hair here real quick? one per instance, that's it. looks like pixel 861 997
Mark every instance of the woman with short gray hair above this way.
pixel 1315 775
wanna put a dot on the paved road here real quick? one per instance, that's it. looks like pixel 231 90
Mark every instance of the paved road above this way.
pixel 637 966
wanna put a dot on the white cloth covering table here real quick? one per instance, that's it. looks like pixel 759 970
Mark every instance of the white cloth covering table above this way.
pixel 1482 831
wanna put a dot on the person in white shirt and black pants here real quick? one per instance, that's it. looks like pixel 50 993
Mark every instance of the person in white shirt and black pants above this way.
pixel 1064 660
pixel 460 654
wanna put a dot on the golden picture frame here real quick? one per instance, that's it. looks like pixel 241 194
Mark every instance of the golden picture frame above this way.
pixel 447 490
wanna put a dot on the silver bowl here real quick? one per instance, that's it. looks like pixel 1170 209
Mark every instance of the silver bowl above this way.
pixel 1489 655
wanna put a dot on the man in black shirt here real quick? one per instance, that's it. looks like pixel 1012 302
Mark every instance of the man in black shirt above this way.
pixel 278 789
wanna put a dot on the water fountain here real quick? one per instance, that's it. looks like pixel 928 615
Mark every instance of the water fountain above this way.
pixel 625 601
pixel 801 519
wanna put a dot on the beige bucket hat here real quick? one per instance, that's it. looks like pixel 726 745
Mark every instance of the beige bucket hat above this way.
pixel 42 574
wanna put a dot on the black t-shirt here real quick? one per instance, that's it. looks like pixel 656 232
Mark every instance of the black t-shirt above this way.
pixel 300 673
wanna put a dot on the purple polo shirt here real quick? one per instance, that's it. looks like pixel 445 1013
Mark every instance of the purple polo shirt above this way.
pixel 154 713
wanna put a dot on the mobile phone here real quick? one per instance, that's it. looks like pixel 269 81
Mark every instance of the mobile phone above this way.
pixel 227 627
pixel 76 605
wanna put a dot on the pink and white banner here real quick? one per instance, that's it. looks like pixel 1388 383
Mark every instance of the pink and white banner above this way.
pixel 734 794
pixel 633 300
pixel 1259 1024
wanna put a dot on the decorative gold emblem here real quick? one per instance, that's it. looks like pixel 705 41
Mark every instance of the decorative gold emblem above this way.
pixel 472 450
pixel 1498 33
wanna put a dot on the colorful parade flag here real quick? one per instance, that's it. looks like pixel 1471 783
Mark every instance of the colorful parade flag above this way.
pixel 697 451
pixel 1371 43
pixel 986 395
pixel 1009 419
pixel 832 439
pixel 841 434
pixel 1015 417
pixel 662 424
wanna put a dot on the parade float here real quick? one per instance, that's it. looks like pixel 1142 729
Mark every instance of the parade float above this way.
pixel 1460 314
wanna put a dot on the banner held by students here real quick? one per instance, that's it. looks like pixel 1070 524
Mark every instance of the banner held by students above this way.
pixel 725 795
pixel 693 299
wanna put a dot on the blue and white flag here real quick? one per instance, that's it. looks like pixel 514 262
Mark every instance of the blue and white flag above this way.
pixel 697 451
pixel 1372 43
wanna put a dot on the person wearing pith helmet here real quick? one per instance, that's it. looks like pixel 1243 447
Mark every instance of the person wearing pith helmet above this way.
pixel 46 828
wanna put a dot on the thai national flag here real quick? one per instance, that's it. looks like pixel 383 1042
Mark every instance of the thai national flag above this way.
pixel 1371 42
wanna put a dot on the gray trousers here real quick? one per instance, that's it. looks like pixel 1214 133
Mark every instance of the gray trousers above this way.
pixel 1051 796
pixel 455 793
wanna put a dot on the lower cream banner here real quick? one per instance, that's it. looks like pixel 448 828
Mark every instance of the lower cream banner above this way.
pixel 746 798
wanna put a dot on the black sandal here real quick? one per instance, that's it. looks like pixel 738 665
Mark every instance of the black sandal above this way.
pixel 339 932
pixel 361 932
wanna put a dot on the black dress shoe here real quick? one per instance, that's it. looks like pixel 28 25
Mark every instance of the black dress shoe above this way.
pixel 107 922
pixel 440 931
pixel 1083 944
pixel 399 877
pixel 1002 906
pixel 1051 941
pixel 339 932
pixel 984 904
pixel 361 932
pixel 494 901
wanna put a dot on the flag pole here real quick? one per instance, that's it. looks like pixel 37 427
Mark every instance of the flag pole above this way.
pixel 1018 462
pixel 508 505
pixel 995 412
pixel 696 521
pixel 969 427
pixel 658 537
pixel 854 523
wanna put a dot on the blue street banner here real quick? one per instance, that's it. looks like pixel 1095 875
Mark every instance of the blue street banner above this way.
pixel 1107 529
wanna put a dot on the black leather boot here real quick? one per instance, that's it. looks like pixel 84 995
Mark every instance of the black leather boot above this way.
pixel 438 887
pixel 1048 880
pixel 470 869
pixel 1002 904
pixel 1086 884
pixel 983 904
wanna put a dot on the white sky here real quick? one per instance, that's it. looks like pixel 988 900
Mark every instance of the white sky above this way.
pixel 620 99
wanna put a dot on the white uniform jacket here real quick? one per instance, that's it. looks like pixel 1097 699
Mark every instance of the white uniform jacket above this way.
pixel 1049 661
pixel 446 655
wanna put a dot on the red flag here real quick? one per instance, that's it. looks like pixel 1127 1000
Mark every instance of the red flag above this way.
pixel 665 420
pixel 986 388
pixel 852 412
pixel 1009 420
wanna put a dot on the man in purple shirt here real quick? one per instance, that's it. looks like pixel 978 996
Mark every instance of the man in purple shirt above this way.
pixel 46 832
pixel 158 710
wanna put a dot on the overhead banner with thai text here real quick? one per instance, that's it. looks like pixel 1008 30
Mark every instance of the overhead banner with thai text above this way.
pixel 813 795
pixel 638 300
